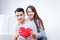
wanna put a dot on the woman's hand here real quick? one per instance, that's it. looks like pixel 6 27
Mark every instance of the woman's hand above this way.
pixel 33 36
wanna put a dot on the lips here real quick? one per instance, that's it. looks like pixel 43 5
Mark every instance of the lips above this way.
pixel 20 19
pixel 25 32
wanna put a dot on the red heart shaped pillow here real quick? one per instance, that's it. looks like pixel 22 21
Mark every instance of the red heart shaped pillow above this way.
pixel 25 32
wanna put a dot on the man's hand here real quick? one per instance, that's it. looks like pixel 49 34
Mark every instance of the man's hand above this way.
pixel 15 37
pixel 33 36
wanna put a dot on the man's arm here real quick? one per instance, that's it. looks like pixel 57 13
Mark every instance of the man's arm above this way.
pixel 33 36
pixel 15 37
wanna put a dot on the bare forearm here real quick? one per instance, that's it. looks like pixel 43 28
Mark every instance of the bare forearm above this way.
pixel 33 36
pixel 15 37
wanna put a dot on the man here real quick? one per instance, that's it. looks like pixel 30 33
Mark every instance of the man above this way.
pixel 20 16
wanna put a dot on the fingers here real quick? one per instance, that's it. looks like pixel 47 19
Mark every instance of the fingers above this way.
pixel 19 31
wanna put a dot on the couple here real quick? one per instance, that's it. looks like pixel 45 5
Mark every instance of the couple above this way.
pixel 33 21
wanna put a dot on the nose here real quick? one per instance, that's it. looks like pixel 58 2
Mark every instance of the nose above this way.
pixel 30 14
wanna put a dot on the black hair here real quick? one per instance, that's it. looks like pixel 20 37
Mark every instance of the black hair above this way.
pixel 19 10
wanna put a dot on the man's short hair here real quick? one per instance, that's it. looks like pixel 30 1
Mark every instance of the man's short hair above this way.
pixel 19 10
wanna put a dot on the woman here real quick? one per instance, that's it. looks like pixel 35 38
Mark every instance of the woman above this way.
pixel 37 23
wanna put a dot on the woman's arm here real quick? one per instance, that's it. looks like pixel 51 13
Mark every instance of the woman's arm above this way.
pixel 41 33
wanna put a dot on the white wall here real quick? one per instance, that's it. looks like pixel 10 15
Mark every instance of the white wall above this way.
pixel 48 10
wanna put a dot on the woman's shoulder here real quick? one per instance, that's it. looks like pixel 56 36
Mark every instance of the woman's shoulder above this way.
pixel 27 19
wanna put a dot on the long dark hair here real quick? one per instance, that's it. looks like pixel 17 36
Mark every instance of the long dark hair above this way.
pixel 36 17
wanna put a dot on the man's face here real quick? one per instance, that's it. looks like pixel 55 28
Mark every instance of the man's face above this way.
pixel 20 16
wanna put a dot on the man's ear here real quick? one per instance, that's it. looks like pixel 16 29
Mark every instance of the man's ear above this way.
pixel 15 17
pixel 24 14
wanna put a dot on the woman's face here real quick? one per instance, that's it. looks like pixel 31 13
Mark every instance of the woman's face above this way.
pixel 30 13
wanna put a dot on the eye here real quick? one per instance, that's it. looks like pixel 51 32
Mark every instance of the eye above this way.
pixel 17 15
pixel 30 11
pixel 21 14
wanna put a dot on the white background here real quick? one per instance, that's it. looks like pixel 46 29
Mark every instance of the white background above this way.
pixel 48 10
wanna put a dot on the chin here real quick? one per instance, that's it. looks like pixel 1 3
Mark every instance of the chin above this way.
pixel 31 17
pixel 21 21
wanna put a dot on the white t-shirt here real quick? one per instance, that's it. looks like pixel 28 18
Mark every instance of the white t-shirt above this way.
pixel 26 24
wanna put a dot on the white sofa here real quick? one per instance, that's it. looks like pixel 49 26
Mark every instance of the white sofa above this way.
pixel 5 37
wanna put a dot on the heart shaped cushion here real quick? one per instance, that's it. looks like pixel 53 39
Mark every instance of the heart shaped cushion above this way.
pixel 25 32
